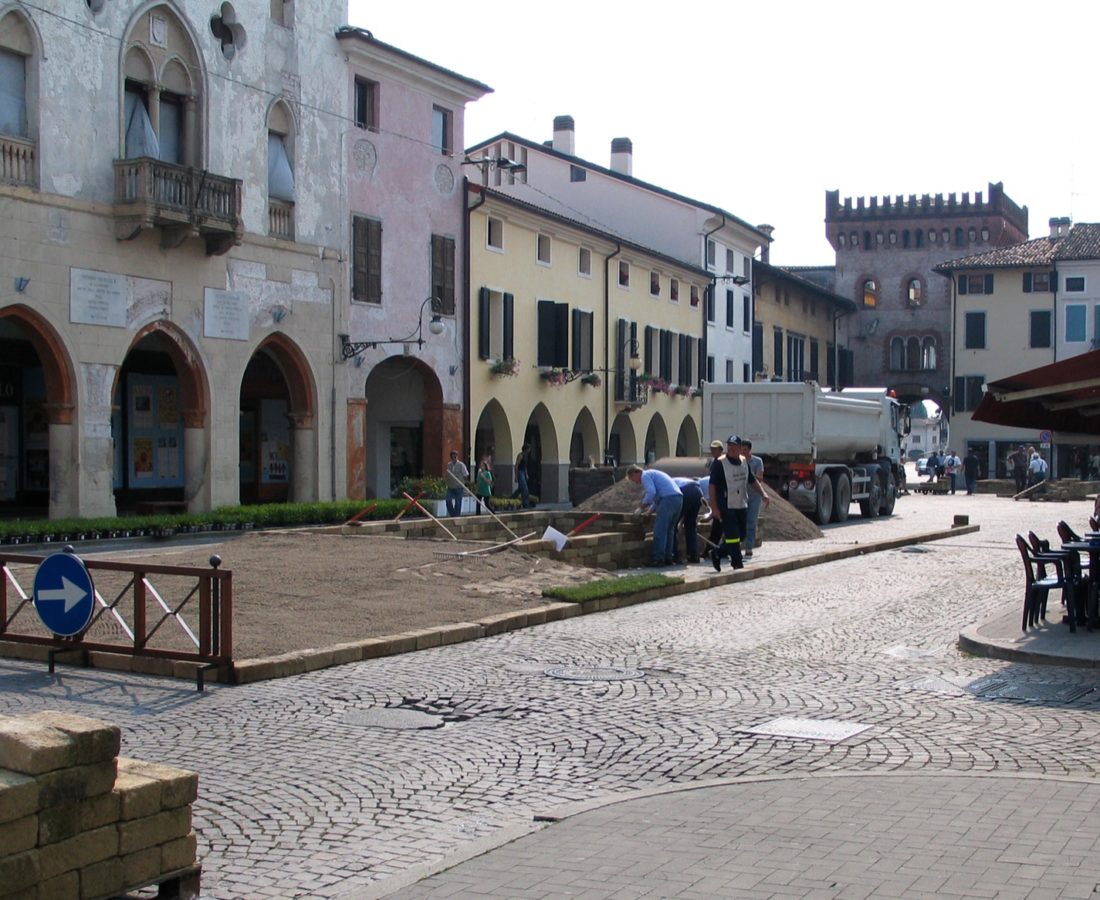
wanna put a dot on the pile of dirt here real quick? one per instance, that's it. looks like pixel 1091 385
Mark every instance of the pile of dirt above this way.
pixel 779 522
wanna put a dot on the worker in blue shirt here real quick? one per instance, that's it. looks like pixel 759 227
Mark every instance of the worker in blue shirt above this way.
pixel 663 497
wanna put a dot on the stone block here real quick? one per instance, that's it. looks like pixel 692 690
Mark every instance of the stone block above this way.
pixel 346 653
pixel 178 787
pixel 95 741
pixel 95 812
pixel 138 834
pixel 425 638
pixel 112 662
pixel 141 866
pixel 179 853
pixel 77 852
pixel 33 748
pixel 138 796
pixel 20 871
pixel 373 648
pixel 63 887
pixel 503 622
pixel 459 632
pixel 18 795
pixel 536 616
pixel 76 784
pixel 18 835
pixel 103 879
pixel 152 665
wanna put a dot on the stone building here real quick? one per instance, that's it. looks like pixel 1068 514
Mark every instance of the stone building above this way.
pixel 886 249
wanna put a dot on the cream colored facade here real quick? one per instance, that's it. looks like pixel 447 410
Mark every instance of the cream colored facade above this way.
pixel 561 300
pixel 796 323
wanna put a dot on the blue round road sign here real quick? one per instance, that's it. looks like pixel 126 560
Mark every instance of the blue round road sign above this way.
pixel 63 594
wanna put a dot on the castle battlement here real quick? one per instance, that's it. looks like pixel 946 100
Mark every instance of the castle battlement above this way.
pixel 868 209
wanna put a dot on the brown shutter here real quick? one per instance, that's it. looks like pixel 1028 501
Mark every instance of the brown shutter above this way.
pixel 374 261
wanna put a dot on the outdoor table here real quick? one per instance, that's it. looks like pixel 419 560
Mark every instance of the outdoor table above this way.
pixel 1092 548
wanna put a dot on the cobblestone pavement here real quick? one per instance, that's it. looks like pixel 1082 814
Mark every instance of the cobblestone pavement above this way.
pixel 334 781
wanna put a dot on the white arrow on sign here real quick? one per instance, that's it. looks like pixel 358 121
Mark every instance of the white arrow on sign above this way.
pixel 71 593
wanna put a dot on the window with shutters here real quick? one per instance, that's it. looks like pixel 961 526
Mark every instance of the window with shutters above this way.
pixel 1039 329
pixel 974 331
pixel 731 313
pixel 581 350
pixel 366 259
pixel 1076 323
pixel 366 103
pixel 746 313
pixel 710 368
pixel 777 352
pixel 815 361
pixel 968 392
pixel 553 334
pixel 1039 282
pixel 495 325
pixel 976 284
pixel 443 272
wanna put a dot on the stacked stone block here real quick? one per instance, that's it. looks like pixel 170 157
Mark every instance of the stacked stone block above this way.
pixel 77 821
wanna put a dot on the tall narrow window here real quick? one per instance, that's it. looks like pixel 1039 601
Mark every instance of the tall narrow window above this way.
pixel 280 173
pixel 711 250
pixel 928 354
pixel 366 259
pixel 870 293
pixel 494 233
pixel 897 354
pixel 141 138
pixel 974 333
pixel 13 93
pixel 366 103
pixel 624 274
pixel 731 316
pixel 441 130
pixel 542 250
pixel 1039 331
pixel 915 295
pixel 1076 323
pixel 584 262
pixel 443 272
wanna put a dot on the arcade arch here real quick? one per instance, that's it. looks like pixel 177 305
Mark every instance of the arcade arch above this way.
pixel 687 441
pixel 656 440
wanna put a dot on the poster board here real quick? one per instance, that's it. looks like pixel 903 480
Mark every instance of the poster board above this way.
pixel 154 431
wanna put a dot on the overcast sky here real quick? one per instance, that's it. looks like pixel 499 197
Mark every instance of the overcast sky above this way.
pixel 760 108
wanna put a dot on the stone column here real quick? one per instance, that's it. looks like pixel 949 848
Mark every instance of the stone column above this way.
pixel 555 482
pixel 303 462
pixel 356 447
pixel 64 476
pixel 196 477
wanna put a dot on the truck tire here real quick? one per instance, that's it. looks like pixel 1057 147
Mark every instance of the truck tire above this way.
pixel 890 497
pixel 869 508
pixel 842 496
pixel 823 511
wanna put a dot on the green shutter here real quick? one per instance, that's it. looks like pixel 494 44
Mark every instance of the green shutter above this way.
pixel 1027 282
pixel 483 323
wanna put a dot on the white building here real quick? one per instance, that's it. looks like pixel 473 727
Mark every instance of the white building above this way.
pixel 612 200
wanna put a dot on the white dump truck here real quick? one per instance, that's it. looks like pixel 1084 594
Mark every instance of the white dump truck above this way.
pixel 823 450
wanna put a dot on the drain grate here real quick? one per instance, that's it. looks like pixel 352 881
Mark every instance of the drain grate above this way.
pixel 594 673
pixel 1034 691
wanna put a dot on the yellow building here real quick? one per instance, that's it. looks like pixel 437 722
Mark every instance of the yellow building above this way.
pixel 795 327
pixel 582 346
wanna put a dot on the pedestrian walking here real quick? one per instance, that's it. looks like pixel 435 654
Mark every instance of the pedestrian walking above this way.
pixel 756 467
pixel 730 483
pixel 483 485
pixel 689 519
pixel 951 466
pixel 1020 460
pixel 522 491
pixel 1037 469
pixel 457 476
pixel 663 497
pixel 933 466
pixel 971 466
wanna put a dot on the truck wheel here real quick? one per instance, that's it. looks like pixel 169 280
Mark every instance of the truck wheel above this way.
pixel 891 496
pixel 823 512
pixel 842 497
pixel 869 508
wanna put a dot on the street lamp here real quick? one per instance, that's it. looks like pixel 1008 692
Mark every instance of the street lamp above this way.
pixel 350 348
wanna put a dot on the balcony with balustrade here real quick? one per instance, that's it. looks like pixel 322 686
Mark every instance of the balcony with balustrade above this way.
pixel 181 201
pixel 18 161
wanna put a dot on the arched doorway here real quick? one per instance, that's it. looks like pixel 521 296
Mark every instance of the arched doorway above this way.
pixel 493 438
pixel 622 445
pixel 656 440
pixel 687 441
pixel 584 444
pixel 158 421
pixel 405 428
pixel 37 475
pixel 547 476
pixel 278 457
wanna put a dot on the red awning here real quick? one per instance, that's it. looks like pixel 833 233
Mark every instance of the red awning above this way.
pixel 1063 396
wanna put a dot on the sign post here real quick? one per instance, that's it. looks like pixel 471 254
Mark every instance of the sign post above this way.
pixel 63 594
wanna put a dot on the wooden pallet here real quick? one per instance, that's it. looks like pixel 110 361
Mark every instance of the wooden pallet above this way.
pixel 941 486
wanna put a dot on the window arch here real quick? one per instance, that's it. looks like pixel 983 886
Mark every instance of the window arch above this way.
pixel 870 292
pixel 960 237
pixel 19 57
pixel 928 354
pixel 914 291
pixel 280 171
pixel 897 354
pixel 912 353
pixel 162 91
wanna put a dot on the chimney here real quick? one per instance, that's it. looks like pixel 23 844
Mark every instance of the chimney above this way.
pixel 622 156
pixel 1059 226
pixel 766 247
pixel 563 135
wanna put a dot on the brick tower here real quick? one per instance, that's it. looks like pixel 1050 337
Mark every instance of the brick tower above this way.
pixel 885 250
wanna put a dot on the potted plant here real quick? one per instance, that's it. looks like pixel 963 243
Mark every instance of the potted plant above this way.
pixel 505 367
pixel 554 377
pixel 592 379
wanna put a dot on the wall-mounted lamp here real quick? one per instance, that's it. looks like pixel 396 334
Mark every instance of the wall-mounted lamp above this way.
pixel 279 313
pixel 350 348
pixel 739 280
pixel 21 284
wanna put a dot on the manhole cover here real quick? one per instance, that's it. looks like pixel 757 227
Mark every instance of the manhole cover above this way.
pixel 829 730
pixel 1043 692
pixel 594 673
pixel 400 719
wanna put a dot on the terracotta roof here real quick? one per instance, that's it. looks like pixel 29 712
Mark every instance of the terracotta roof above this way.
pixel 1082 242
